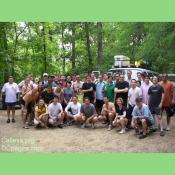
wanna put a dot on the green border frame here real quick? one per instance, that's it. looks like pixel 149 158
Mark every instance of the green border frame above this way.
pixel 87 10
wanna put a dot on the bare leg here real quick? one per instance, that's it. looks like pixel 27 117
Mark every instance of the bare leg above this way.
pixel 8 112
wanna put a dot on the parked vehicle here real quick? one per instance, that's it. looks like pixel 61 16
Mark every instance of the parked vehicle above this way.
pixel 134 72
pixel 171 77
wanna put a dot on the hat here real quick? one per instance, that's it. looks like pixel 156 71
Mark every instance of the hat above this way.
pixel 45 74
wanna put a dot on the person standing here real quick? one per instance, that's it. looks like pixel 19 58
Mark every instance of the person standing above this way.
pixel 89 90
pixel 168 98
pixel 45 80
pixel 121 89
pixel 68 93
pixel 156 98
pixel 129 77
pixel 77 87
pixel 108 89
pixel 11 91
pixel 99 94
pixel 144 87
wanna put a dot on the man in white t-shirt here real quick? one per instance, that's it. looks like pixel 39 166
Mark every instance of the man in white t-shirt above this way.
pixel 133 93
pixel 72 110
pixel 11 91
pixel 56 115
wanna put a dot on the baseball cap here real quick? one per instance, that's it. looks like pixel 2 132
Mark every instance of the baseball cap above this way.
pixel 45 74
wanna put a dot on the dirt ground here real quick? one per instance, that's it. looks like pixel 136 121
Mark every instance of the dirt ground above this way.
pixel 13 138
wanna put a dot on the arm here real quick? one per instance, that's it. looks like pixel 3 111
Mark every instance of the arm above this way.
pixel 121 90
pixel 67 107
pixel 122 116
pixel 160 105
pixel 36 113
pixel 50 112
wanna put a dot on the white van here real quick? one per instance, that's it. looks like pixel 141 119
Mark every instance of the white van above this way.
pixel 134 72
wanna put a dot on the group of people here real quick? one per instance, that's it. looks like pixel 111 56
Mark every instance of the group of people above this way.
pixel 58 101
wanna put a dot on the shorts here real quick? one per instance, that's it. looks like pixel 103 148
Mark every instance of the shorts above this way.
pixel 29 106
pixel 169 110
pixel 155 110
pixel 148 122
pixel 10 104
pixel 99 104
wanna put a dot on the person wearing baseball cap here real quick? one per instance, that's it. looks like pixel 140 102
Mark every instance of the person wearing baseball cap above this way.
pixel 45 80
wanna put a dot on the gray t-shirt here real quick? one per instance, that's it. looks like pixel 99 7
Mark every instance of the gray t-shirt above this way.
pixel 68 93
pixel 88 110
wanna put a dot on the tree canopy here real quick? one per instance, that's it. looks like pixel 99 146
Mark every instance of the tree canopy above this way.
pixel 79 47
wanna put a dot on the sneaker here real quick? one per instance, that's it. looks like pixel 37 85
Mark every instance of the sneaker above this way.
pixel 93 126
pixel 82 126
pixel 8 120
pixel 153 129
pixel 26 127
pixel 60 126
pixel 137 131
pixel 162 133
pixel 142 136
pixel 168 128
pixel 109 128
pixel 122 131
pixel 13 120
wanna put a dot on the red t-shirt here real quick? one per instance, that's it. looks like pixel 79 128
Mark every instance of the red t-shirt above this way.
pixel 168 93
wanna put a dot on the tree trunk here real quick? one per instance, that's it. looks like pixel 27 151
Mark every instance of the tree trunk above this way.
pixel 44 48
pixel 88 45
pixel 5 49
pixel 100 43
pixel 73 46
pixel 14 50
pixel 63 49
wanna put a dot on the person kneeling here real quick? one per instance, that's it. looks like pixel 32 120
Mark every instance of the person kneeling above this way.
pixel 72 110
pixel 88 113
pixel 141 118
pixel 41 115
pixel 120 119
pixel 56 114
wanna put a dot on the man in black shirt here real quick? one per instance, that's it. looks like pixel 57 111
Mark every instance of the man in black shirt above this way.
pixel 89 89
pixel 156 96
pixel 48 95
pixel 121 89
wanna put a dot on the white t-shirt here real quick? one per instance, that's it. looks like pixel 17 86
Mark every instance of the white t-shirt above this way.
pixel 54 110
pixel 10 92
pixel 133 94
pixel 74 107
pixel 22 83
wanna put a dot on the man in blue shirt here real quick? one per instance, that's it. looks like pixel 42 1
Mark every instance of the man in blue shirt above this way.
pixel 99 94
pixel 141 117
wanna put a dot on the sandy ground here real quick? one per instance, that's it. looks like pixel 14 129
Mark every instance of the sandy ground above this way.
pixel 13 138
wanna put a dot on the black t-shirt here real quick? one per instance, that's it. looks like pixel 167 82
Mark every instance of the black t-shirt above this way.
pixel 122 85
pixel 155 93
pixel 90 94
pixel 120 111
pixel 47 97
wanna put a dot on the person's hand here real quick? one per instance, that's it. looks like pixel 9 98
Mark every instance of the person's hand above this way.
pixel 91 89
pixel 94 100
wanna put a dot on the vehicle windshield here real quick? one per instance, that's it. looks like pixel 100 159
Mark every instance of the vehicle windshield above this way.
pixel 171 78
